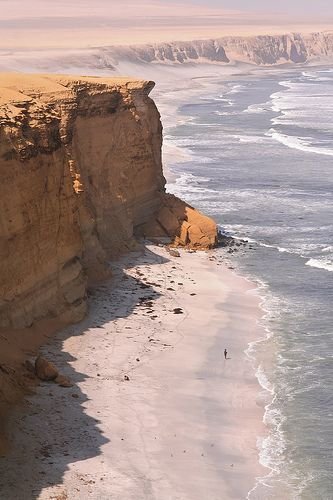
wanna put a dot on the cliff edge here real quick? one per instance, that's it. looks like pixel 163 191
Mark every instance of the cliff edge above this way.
pixel 81 177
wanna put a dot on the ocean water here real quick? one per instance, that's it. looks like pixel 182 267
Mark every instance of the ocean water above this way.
pixel 257 155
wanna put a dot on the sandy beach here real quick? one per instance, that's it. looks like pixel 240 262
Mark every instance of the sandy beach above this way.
pixel 155 411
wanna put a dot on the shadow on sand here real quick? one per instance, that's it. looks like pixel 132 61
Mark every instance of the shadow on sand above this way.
pixel 54 430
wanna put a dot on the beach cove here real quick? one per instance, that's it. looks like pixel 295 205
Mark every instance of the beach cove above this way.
pixel 155 411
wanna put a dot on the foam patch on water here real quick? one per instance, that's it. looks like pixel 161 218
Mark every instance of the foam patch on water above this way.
pixel 300 143
pixel 327 249
pixel 327 265
pixel 225 113
pixel 219 98
pixel 275 247
pixel 257 108
pixel 236 89
pixel 263 380
pixel 191 187
pixel 254 139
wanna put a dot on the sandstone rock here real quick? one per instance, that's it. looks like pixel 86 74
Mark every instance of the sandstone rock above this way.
pixel 78 172
pixel 80 177
pixel 63 381
pixel 45 370
pixel 186 226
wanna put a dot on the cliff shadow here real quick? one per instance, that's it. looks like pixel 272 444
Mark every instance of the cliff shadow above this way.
pixel 53 429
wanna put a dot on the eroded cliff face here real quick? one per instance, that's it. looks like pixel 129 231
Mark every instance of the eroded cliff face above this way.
pixel 81 175
pixel 259 50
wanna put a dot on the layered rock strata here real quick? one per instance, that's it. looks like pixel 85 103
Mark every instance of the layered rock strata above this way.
pixel 259 50
pixel 81 176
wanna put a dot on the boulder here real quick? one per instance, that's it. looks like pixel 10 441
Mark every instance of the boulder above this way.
pixel 186 226
pixel 63 381
pixel 174 253
pixel 45 370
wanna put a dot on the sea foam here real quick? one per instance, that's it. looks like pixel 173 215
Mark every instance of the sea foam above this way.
pixel 302 144
pixel 320 264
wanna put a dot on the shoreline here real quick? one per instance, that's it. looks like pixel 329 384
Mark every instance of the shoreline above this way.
pixel 175 429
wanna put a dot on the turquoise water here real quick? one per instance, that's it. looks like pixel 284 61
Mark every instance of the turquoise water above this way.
pixel 259 159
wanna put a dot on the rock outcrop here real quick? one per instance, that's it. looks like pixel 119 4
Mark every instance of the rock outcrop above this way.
pixel 81 176
pixel 186 226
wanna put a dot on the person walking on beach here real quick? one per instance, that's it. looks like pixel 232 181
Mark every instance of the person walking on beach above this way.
pixel 225 354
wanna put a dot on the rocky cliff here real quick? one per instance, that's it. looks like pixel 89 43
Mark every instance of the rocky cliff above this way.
pixel 259 50
pixel 81 176
pixel 263 50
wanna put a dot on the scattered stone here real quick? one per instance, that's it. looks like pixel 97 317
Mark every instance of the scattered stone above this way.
pixel 126 377
pixel 63 381
pixel 192 294
pixel 137 359
pixel 76 396
pixel 45 370
pixel 174 253
pixel 178 310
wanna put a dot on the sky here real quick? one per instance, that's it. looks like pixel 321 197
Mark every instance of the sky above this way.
pixel 89 23
pixel 294 7
pixel 39 8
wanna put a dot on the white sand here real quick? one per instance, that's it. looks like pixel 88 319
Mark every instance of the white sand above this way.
pixel 185 424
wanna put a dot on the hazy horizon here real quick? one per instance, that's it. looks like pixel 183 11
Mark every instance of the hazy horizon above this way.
pixel 43 8
pixel 46 24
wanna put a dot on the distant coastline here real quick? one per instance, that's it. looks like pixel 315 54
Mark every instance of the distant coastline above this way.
pixel 130 59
